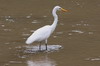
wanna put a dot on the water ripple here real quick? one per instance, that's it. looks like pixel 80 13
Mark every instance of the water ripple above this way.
pixel 7 30
pixel 93 59
pixel 9 19
pixel 77 31
pixel 35 49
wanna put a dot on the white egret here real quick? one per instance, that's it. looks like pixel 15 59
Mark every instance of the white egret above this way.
pixel 43 33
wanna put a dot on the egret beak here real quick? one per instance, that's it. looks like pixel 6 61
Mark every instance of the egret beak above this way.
pixel 64 10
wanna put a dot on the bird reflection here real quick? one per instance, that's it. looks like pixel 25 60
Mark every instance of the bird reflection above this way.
pixel 41 61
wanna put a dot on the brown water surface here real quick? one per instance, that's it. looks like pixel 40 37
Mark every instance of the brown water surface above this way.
pixel 78 32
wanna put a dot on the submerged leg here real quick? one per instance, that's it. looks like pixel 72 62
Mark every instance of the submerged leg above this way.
pixel 46 44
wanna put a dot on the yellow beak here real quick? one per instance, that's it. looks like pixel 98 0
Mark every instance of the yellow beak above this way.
pixel 64 10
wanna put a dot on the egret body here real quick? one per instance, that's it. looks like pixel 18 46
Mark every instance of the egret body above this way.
pixel 43 33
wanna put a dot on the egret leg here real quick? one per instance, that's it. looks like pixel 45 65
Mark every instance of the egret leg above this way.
pixel 46 44
pixel 40 46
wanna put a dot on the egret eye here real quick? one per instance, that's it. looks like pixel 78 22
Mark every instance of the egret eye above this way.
pixel 59 9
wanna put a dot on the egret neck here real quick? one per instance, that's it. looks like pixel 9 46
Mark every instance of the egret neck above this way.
pixel 53 26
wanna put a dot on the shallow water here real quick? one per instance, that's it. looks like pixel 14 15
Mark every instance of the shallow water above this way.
pixel 77 32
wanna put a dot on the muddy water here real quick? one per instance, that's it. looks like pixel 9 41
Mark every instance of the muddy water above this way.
pixel 78 32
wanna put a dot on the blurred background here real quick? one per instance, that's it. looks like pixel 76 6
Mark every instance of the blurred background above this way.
pixel 78 32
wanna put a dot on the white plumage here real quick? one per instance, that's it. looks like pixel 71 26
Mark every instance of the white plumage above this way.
pixel 43 33
pixel 39 35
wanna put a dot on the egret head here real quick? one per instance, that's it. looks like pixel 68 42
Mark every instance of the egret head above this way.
pixel 60 9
